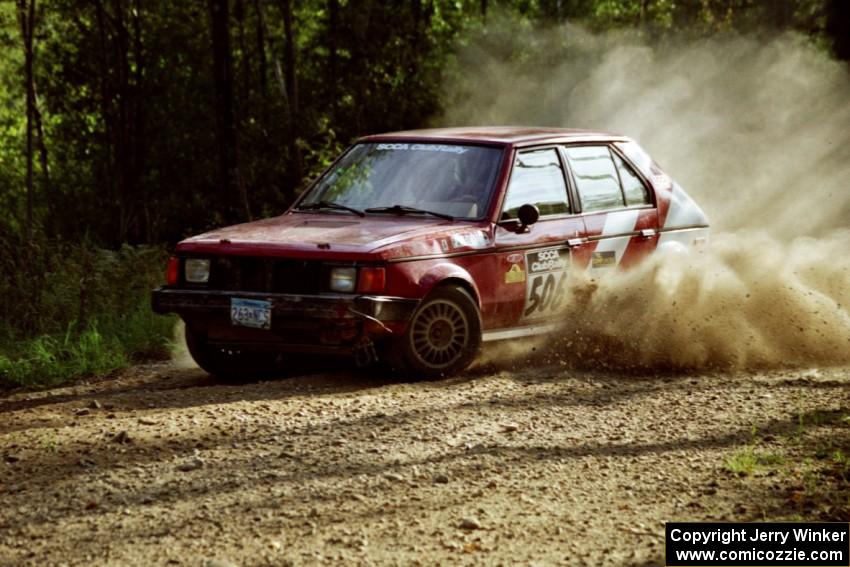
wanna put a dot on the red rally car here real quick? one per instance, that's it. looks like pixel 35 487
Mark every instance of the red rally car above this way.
pixel 418 246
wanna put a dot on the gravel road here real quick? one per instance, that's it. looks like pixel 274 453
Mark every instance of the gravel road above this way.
pixel 162 465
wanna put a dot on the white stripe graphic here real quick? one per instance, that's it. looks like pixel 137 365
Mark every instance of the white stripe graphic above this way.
pixel 617 223
pixel 683 210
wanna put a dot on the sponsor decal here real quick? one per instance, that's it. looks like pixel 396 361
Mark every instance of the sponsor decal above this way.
pixel 607 259
pixel 444 245
pixel 546 282
pixel 515 275
pixel 423 148
pixel 514 258
pixel 477 239
pixel 548 260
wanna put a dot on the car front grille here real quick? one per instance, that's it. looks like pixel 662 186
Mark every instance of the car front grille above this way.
pixel 270 275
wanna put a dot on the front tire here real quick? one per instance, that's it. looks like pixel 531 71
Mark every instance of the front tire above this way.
pixel 225 364
pixel 443 336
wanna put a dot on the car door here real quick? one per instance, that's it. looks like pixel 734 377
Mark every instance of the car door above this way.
pixel 620 216
pixel 534 261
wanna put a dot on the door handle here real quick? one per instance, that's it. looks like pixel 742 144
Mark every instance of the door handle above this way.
pixel 648 232
pixel 573 242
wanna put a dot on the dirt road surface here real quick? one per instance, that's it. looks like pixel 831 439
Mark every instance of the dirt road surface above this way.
pixel 160 465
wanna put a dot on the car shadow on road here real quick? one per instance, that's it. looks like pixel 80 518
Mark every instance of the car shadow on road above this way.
pixel 164 385
pixel 172 386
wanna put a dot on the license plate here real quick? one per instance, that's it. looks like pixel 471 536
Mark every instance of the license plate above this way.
pixel 254 313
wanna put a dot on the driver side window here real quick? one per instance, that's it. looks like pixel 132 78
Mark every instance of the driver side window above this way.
pixel 537 179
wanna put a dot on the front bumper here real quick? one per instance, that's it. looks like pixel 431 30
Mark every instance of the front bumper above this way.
pixel 326 306
pixel 309 323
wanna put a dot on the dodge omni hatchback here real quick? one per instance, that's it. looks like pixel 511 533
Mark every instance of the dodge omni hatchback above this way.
pixel 416 247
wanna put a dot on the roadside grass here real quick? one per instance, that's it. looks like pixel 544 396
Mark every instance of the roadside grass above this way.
pixel 748 461
pixel 809 466
pixel 76 311
pixel 49 360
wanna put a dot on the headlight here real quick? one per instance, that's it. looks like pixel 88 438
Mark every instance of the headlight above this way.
pixel 197 270
pixel 343 279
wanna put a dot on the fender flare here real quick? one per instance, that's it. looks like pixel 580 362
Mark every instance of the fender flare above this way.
pixel 442 273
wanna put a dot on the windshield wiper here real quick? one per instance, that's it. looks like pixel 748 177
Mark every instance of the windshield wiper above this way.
pixel 330 205
pixel 403 209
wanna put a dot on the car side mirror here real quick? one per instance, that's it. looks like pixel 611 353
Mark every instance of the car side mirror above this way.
pixel 527 215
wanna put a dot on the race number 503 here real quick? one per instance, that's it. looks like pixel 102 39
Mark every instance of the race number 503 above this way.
pixel 546 283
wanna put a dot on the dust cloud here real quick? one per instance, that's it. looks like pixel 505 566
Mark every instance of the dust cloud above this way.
pixel 180 356
pixel 755 128
pixel 750 302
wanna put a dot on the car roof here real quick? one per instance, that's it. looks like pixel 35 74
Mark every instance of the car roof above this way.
pixel 501 135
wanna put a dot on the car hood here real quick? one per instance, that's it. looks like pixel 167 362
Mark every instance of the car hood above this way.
pixel 332 235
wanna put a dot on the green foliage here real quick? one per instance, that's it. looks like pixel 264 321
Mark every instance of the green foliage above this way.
pixel 75 310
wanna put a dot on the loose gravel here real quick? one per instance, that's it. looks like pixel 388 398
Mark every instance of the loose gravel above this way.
pixel 160 465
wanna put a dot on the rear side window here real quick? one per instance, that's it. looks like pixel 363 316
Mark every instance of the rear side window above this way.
pixel 638 157
pixel 537 179
pixel 596 177
pixel 634 190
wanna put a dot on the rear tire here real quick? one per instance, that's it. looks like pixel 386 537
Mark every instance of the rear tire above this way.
pixel 229 365
pixel 442 338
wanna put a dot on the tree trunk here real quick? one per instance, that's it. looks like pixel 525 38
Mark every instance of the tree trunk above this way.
pixel 278 68
pixel 124 145
pixel 263 66
pixel 292 89
pixel 221 86
pixel 106 171
pixel 333 32
pixel 42 151
pixel 231 181
pixel 244 60
pixel 644 12
pixel 262 33
pixel 119 106
pixel 242 106
pixel 139 124
pixel 26 17
pixel 39 125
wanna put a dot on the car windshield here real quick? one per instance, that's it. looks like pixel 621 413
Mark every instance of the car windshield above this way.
pixel 410 178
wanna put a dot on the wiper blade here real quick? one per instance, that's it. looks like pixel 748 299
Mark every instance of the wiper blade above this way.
pixel 330 205
pixel 403 209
